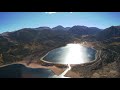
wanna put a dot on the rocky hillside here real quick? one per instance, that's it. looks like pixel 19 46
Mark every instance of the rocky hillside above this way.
pixel 27 42
pixel 32 43
pixel 113 31
pixel 106 65
pixel 83 30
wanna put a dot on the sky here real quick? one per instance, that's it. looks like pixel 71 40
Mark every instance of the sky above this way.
pixel 11 21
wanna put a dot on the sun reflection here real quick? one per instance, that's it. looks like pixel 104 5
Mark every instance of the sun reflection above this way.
pixel 70 54
pixel 76 54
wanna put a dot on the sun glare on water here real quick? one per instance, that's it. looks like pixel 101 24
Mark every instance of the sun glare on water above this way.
pixel 76 54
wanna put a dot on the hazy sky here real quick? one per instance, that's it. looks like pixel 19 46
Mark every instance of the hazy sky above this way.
pixel 10 21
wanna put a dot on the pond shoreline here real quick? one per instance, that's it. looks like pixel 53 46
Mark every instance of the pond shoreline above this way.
pixel 58 69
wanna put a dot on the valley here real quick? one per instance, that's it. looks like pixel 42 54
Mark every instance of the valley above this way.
pixel 28 46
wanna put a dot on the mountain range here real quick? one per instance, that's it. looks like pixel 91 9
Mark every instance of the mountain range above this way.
pixel 100 34
pixel 32 43
pixel 113 31
pixel 79 30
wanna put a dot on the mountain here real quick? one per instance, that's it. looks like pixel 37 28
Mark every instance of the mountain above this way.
pixel 95 28
pixel 28 42
pixel 59 27
pixel 5 34
pixel 83 30
pixel 30 35
pixel 111 32
pixel 35 41
pixel 32 42
pixel 67 28
pixel 42 28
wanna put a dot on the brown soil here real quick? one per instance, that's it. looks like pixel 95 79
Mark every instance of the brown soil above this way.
pixel 55 69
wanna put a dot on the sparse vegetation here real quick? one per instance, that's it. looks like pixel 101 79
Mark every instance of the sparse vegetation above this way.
pixel 19 45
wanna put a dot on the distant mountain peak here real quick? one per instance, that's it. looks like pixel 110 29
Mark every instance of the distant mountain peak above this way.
pixel 59 27
pixel 93 27
pixel 83 30
pixel 118 27
pixel 43 27
pixel 79 26
pixel 113 31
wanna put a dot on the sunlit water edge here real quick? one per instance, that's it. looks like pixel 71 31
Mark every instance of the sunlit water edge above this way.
pixel 73 52
pixel 70 54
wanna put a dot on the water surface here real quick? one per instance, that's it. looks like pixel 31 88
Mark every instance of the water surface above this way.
pixel 21 71
pixel 71 54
